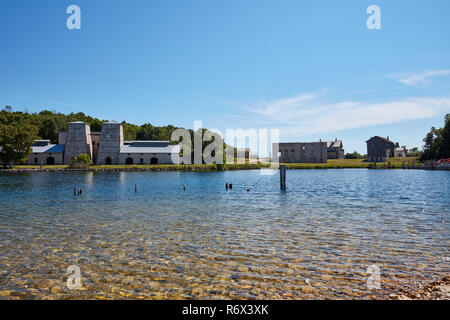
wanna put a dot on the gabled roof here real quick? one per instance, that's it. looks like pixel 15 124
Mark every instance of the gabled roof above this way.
pixel 384 139
pixel 334 144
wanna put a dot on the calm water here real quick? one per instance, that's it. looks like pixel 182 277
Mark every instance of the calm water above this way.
pixel 315 240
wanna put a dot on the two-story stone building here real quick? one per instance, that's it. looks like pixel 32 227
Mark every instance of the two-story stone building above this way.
pixel 380 149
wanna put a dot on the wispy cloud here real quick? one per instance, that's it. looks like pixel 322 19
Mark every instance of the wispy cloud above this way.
pixel 307 114
pixel 412 79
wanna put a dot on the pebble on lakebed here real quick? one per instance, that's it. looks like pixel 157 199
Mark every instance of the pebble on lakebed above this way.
pixel 437 290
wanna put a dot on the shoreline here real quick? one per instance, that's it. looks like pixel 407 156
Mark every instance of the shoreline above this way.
pixel 436 290
pixel 169 169
pixel 395 163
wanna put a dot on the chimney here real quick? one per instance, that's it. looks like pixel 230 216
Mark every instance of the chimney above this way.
pixel 388 138
pixel 335 139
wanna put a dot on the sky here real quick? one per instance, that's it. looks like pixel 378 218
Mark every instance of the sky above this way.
pixel 312 69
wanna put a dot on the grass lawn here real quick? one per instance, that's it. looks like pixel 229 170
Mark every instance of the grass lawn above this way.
pixel 393 163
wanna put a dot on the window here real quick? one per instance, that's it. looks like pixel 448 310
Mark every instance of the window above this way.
pixel 142 161
pixel 35 160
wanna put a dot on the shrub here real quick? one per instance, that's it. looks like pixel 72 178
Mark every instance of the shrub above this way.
pixel 83 161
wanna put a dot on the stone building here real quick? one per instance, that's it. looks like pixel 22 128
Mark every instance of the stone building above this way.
pixel 105 147
pixel 301 152
pixel 43 152
pixel 78 141
pixel 335 149
pixel 149 152
pixel 380 149
pixel 111 141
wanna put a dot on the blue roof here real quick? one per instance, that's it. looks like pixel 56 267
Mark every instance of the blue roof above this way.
pixel 51 148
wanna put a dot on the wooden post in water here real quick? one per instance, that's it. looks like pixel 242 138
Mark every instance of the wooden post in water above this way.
pixel 226 186
pixel 135 188
pixel 283 177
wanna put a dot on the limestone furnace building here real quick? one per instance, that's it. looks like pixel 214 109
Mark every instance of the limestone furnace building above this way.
pixel 105 147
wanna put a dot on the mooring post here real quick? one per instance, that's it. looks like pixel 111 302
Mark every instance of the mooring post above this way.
pixel 226 186
pixel 135 188
pixel 184 187
pixel 230 186
pixel 74 192
pixel 283 177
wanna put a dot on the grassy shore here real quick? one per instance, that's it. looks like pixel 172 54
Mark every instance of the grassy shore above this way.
pixel 393 163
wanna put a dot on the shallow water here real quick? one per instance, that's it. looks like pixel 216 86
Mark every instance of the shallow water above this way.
pixel 314 240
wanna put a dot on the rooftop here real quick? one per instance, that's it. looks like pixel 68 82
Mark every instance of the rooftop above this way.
pixel 384 139
pixel 144 148
pixel 49 148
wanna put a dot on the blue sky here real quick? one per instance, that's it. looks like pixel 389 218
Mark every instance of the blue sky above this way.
pixel 312 69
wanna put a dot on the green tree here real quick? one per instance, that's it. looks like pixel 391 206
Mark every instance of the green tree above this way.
pixel 354 155
pixel 443 150
pixel 437 142
pixel 49 130
pixel 15 143
pixel 413 152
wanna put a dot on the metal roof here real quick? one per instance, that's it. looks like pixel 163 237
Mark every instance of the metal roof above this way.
pixel 129 148
pixel 51 148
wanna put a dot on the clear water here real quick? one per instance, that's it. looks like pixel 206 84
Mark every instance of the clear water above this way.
pixel 313 241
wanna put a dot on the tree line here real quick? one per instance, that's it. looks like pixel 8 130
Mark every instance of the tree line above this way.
pixel 437 142
pixel 18 130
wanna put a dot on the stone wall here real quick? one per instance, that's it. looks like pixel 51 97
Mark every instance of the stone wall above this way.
pixel 111 141
pixel 41 158
pixel 62 137
pixel 78 141
pixel 95 138
pixel 303 152
pixel 146 158
pixel 335 153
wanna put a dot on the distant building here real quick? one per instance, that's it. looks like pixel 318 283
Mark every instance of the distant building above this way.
pixel 106 147
pixel 244 153
pixel 380 149
pixel 335 149
pixel 399 152
pixel 301 152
